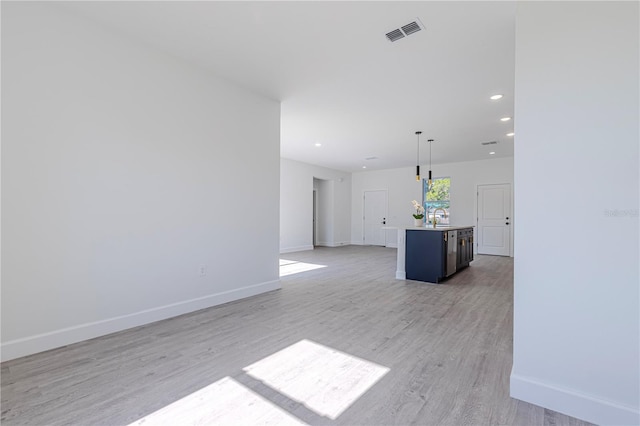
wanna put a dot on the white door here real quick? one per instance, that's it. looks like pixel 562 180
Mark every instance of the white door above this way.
pixel 375 217
pixel 494 219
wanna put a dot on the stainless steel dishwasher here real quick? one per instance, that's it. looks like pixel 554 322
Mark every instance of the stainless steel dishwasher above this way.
pixel 452 251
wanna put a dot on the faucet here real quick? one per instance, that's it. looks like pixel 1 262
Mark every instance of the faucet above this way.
pixel 434 215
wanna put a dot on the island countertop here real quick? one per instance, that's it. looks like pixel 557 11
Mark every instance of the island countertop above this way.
pixel 441 228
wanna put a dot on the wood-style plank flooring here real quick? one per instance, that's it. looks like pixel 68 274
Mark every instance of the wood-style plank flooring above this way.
pixel 444 352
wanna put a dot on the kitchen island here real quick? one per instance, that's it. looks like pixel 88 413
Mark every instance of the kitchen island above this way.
pixel 433 254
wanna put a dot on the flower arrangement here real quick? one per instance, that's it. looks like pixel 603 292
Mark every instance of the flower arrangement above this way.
pixel 419 214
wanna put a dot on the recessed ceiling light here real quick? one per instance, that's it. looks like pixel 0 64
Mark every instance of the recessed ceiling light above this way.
pixel 495 97
pixel 318 144
pixel 510 134
pixel 505 119
pixel 364 167
pixel 492 153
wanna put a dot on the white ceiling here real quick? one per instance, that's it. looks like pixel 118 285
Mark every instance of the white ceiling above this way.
pixel 340 81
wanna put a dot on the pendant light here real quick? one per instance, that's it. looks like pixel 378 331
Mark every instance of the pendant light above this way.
pixel 418 160
pixel 429 182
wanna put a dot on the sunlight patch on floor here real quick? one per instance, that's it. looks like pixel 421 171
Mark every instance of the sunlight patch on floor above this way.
pixel 225 402
pixel 325 380
pixel 290 267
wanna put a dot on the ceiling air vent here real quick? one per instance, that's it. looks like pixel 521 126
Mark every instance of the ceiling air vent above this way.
pixel 489 143
pixel 405 30
pixel 395 35
pixel 411 28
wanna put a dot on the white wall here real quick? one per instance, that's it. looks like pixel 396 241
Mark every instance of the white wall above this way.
pixel 123 172
pixel 402 187
pixel 296 206
pixel 576 319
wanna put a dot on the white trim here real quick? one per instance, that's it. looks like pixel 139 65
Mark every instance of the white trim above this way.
pixel 294 249
pixel 572 402
pixel 66 336
pixel 338 244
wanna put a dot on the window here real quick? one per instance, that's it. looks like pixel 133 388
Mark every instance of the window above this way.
pixel 436 197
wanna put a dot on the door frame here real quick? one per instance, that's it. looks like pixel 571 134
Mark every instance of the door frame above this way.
pixel 475 214
pixel 386 212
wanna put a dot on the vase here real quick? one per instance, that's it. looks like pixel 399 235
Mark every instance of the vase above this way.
pixel 418 222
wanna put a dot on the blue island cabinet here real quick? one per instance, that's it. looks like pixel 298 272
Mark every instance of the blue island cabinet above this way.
pixel 426 255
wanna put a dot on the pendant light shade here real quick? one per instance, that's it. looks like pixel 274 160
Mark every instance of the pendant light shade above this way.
pixel 418 133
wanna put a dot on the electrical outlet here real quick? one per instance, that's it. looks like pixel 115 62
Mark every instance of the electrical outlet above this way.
pixel 203 270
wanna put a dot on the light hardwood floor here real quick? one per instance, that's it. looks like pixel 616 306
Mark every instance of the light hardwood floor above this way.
pixel 446 350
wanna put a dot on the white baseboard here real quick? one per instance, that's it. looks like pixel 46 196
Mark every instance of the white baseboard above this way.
pixel 66 336
pixel 294 249
pixel 338 244
pixel 573 403
pixel 392 245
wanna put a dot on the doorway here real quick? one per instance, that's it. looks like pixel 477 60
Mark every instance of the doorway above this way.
pixel 315 214
pixel 494 219
pixel 374 218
